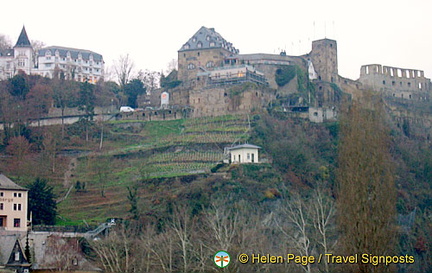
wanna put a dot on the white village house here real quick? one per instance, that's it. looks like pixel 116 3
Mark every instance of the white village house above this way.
pixel 244 153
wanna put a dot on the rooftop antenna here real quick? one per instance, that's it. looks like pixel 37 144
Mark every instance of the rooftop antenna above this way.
pixel 334 31
pixel 314 30
pixel 325 29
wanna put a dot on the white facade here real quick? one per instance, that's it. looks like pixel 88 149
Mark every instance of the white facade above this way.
pixel 74 64
pixel 245 153
pixel 13 206
pixel 18 58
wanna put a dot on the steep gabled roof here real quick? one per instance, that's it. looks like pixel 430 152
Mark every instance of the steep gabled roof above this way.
pixel 23 40
pixel 9 245
pixel 74 52
pixel 7 184
pixel 206 38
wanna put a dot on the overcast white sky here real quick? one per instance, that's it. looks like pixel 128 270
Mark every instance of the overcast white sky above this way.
pixel 395 33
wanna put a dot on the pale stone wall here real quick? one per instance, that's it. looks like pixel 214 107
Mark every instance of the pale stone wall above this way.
pixel 396 82
pixel 14 203
pixel 191 62
pixel 221 101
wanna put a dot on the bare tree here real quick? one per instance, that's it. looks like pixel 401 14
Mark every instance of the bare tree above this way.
pixel 182 226
pixel 150 79
pixel 123 68
pixel 62 253
pixel 5 42
pixel 323 210
pixel 115 251
pixel 294 225
pixel 223 224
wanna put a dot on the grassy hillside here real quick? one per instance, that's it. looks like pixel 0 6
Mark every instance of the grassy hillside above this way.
pixel 144 151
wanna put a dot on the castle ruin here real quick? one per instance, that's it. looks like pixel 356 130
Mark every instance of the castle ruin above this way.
pixel 215 79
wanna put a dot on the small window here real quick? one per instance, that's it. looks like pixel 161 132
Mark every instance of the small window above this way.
pixel 1 194
pixel 1 206
pixel 19 194
pixel 17 256
pixel 383 82
pixel 17 222
pixel 14 206
pixel 19 206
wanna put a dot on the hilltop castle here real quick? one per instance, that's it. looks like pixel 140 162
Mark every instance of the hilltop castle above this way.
pixel 211 71
pixel 76 64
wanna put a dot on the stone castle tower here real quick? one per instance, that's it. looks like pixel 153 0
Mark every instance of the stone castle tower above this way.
pixel 324 59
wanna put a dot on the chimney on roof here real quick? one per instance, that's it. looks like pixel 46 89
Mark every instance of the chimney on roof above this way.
pixel 212 29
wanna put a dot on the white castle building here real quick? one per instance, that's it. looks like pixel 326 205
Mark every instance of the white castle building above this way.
pixel 77 64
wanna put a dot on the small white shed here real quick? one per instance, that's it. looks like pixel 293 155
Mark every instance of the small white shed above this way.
pixel 244 153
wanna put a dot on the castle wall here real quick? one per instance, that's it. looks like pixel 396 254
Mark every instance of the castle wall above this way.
pixel 191 62
pixel 221 101
pixel 397 82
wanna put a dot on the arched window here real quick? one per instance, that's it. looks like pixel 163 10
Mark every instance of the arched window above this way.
pixel 210 64
pixel 191 66
pixel 199 45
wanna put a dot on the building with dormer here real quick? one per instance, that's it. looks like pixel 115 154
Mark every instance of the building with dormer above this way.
pixel 75 64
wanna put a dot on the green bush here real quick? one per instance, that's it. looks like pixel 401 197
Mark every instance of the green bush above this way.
pixel 285 74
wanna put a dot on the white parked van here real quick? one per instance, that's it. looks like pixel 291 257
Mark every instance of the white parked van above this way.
pixel 126 109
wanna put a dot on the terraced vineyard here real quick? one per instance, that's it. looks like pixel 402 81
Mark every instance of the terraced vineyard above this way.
pixel 137 150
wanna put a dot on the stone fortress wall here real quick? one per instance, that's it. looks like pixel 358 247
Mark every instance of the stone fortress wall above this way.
pixel 397 82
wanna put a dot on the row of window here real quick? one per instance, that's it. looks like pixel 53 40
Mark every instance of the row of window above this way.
pixel 16 194
pixel 85 68
pixel 401 84
pixel 16 207
pixel 209 64
pixel 76 60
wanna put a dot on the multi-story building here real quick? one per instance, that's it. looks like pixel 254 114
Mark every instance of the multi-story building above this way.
pixel 20 57
pixel 13 206
pixel 75 64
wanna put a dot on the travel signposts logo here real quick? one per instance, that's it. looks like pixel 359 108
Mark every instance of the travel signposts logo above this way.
pixel 222 259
